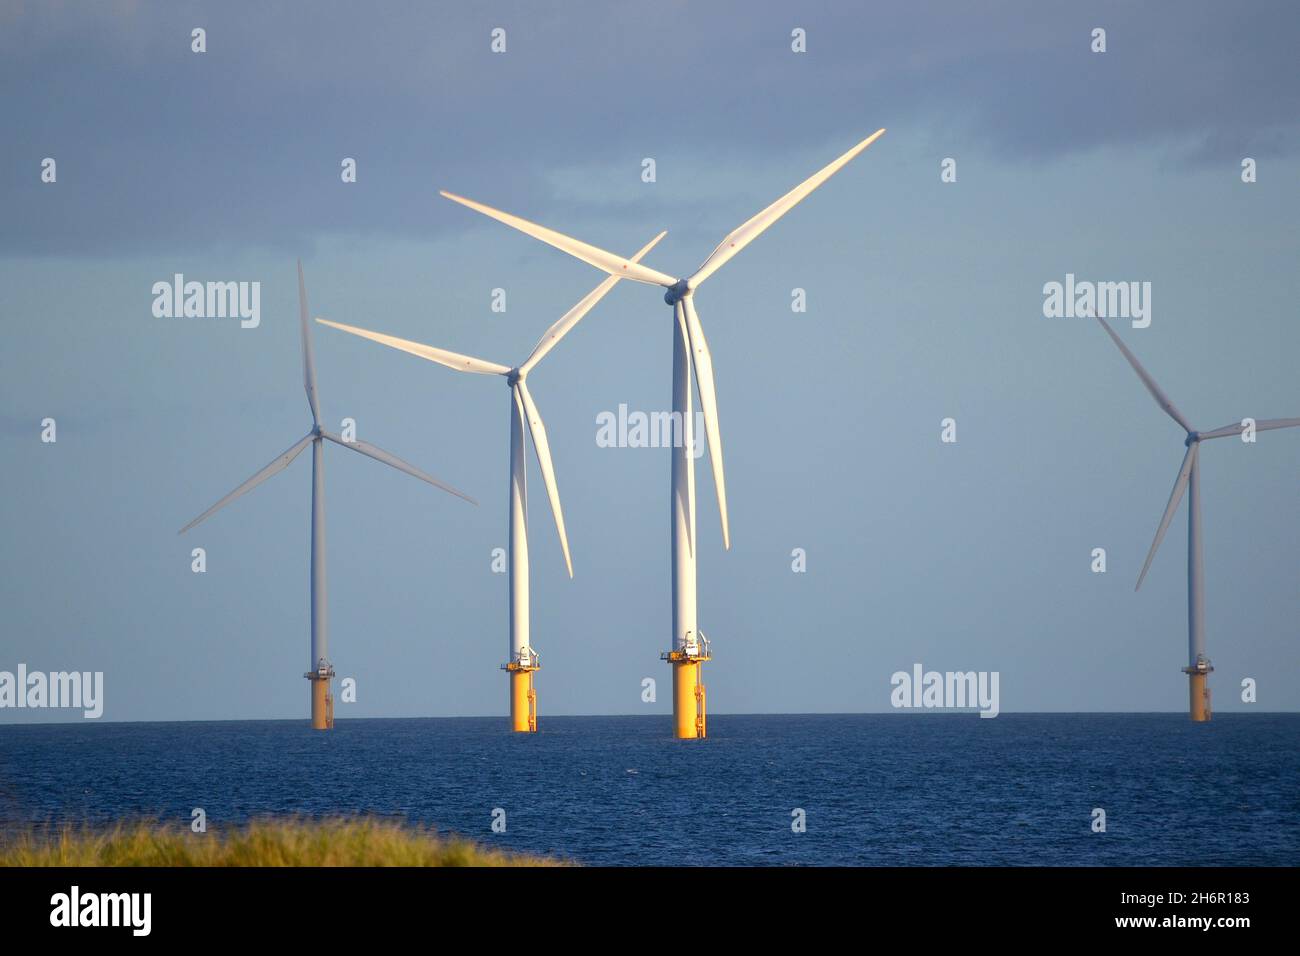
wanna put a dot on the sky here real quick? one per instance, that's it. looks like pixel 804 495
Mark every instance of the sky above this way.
pixel 924 302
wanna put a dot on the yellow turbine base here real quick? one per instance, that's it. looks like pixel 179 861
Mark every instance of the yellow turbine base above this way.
pixel 1199 690
pixel 689 712
pixel 322 705
pixel 523 701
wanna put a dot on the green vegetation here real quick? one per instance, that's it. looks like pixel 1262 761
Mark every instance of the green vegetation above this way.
pixel 272 842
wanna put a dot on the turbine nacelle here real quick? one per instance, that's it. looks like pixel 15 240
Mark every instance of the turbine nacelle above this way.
pixel 678 291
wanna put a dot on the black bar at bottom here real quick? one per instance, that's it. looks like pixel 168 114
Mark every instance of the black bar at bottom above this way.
pixel 978 903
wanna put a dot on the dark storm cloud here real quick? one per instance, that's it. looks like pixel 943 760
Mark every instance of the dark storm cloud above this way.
pixel 160 147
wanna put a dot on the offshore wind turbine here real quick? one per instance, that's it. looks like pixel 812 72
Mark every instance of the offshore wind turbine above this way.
pixel 522 660
pixel 1189 477
pixel 690 648
pixel 322 671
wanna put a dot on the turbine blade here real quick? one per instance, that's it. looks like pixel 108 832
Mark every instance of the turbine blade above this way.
pixel 1175 496
pixel 742 236
pixel 571 318
pixel 278 465
pixel 378 454
pixel 1260 426
pixel 684 495
pixel 543 448
pixel 702 359
pixel 1156 391
pixel 308 351
pixel 462 363
pixel 607 261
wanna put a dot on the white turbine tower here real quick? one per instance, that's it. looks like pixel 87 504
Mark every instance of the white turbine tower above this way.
pixel 523 659
pixel 321 672
pixel 690 352
pixel 1189 476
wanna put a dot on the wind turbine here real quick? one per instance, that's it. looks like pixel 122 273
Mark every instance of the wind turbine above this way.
pixel 690 353
pixel 322 671
pixel 1189 476
pixel 523 659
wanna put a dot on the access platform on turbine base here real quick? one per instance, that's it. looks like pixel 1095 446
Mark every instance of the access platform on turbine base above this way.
pixel 523 695
pixel 690 711
pixel 1198 687
pixel 322 701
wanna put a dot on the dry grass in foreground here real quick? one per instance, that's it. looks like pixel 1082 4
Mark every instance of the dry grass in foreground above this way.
pixel 271 842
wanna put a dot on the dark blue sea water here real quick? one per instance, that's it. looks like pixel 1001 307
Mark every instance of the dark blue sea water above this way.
pixel 877 789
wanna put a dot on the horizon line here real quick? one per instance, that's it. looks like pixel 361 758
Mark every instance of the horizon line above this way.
pixel 901 712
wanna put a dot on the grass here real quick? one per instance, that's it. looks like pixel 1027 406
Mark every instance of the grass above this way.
pixel 296 841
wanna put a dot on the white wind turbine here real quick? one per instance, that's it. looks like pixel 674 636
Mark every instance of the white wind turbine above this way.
pixel 690 351
pixel 1189 476
pixel 523 659
pixel 322 671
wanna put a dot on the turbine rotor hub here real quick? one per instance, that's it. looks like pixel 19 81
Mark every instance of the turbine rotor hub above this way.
pixel 678 291
pixel 514 377
pixel 1192 438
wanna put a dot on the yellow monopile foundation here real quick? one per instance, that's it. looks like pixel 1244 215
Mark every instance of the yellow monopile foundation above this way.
pixel 1198 685
pixel 322 704
pixel 523 700
pixel 689 712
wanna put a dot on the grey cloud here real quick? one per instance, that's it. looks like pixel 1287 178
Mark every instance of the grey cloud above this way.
pixel 159 147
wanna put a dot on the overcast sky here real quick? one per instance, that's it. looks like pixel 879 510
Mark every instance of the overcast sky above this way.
pixel 924 301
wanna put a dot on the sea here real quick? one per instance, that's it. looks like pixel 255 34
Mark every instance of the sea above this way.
pixel 761 790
